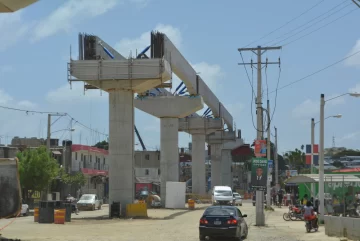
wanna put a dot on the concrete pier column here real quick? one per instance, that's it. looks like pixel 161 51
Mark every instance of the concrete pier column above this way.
pixel 215 165
pixel 198 164
pixel 226 174
pixel 121 147
pixel 169 153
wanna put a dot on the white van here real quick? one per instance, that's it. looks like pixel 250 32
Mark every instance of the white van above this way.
pixel 222 195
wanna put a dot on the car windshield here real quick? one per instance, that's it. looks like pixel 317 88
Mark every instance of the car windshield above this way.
pixel 219 211
pixel 222 193
pixel 87 197
pixel 237 195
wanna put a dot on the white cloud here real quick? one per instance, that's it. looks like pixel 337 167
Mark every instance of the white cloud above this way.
pixel 355 60
pixel 70 13
pixel 6 69
pixel 350 136
pixel 4 97
pixel 311 108
pixel 125 45
pixel 12 29
pixel 210 74
pixel 308 108
pixel 355 89
pixel 27 104
pixel 64 94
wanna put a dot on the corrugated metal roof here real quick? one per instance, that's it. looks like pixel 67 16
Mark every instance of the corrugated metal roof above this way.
pixel 312 178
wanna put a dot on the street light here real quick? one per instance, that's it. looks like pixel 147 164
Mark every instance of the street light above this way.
pixel 313 123
pixel 321 150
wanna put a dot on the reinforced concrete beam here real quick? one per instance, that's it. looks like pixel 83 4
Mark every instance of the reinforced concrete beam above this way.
pixel 169 106
pixel 8 6
pixel 138 75
pixel 200 125
pixel 162 47
pixel 221 137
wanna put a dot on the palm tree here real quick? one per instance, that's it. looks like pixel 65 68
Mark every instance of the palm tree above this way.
pixel 296 158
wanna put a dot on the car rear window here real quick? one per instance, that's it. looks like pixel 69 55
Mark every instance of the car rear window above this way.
pixel 223 192
pixel 220 212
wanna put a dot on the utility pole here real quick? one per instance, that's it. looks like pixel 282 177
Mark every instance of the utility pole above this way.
pixel 268 151
pixel 259 51
pixel 276 159
pixel 312 153
pixel 48 133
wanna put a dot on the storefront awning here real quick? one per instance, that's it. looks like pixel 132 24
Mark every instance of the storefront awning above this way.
pixel 57 153
pixel 94 172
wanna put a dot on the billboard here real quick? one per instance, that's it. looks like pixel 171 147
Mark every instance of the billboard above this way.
pixel 259 168
pixel 291 173
pixel 260 148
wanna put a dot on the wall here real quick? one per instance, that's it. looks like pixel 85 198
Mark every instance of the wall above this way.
pixel 342 227
pixel 147 172
pixel 147 159
pixel 8 152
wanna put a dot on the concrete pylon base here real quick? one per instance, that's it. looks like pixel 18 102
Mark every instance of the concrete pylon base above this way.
pixel 121 148
pixel 198 164
pixel 169 154
pixel 215 165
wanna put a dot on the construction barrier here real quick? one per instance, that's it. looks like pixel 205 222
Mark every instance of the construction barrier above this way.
pixel 191 204
pixel 36 215
pixel 141 201
pixel 59 216
pixel 136 210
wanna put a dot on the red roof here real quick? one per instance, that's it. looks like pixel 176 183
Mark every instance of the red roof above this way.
pixel 243 150
pixel 348 170
pixel 94 172
pixel 77 147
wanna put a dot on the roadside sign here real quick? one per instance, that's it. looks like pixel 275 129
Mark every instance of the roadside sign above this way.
pixel 260 148
pixel 259 171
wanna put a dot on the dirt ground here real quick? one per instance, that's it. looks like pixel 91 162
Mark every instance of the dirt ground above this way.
pixel 162 225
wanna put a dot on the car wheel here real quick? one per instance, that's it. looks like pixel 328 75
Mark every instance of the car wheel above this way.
pixel 93 207
pixel 240 204
pixel 27 212
pixel 253 204
pixel 99 206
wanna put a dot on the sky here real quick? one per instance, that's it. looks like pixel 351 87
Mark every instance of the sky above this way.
pixel 35 50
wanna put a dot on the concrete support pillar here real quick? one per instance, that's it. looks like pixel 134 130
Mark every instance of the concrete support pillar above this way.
pixel 226 174
pixel 169 153
pixel 198 164
pixel 215 165
pixel 121 148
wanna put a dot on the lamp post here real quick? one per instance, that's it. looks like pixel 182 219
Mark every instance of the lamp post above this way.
pixel 313 123
pixel 321 150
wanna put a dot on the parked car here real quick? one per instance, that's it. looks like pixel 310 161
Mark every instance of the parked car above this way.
pixel 223 222
pixel 237 199
pixel 89 201
pixel 222 195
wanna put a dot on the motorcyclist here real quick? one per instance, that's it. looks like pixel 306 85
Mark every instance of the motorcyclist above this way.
pixel 309 214
pixel 72 200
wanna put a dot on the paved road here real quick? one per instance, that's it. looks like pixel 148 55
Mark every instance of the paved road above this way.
pixel 163 225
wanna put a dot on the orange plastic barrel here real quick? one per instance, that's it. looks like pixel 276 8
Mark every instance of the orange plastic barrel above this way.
pixel 191 204
pixel 36 215
pixel 59 216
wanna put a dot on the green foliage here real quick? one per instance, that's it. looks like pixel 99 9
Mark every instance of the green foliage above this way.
pixel 102 145
pixel 348 152
pixel 78 178
pixel 296 159
pixel 37 169
pixel 338 164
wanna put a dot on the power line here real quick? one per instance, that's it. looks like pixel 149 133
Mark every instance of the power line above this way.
pixel 308 22
pixel 323 26
pixel 53 113
pixel 316 72
pixel 306 11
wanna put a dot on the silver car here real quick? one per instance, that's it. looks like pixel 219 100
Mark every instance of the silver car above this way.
pixel 237 199
pixel 89 202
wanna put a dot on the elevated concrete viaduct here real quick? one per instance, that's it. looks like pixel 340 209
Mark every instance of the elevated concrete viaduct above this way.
pixel 8 6
pixel 121 79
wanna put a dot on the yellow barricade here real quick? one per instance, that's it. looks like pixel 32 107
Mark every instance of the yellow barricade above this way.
pixel 59 216
pixel 36 215
pixel 191 204
pixel 136 210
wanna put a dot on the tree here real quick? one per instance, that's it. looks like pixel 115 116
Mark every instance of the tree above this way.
pixel 37 170
pixel 348 152
pixel 72 179
pixel 102 145
pixel 296 159
pixel 338 164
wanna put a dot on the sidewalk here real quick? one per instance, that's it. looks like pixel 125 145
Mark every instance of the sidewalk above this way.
pixel 276 226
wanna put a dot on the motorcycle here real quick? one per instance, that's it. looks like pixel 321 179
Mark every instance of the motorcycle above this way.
pixel 73 202
pixel 312 224
pixel 296 213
